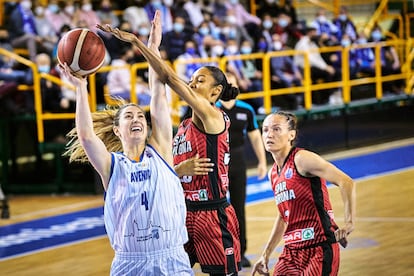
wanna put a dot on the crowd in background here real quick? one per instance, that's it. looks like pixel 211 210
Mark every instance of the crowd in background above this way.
pixel 197 29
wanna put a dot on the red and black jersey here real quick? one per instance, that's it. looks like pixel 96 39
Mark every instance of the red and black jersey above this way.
pixel 304 205
pixel 190 141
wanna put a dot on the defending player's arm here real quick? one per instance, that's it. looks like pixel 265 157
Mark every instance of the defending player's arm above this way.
pixel 311 164
pixel 212 119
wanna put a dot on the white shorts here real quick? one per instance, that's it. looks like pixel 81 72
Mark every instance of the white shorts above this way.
pixel 173 261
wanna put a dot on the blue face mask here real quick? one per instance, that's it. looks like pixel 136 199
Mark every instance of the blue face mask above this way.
pixel 376 35
pixel 53 8
pixel 267 24
pixel 342 17
pixel 203 31
pixel 245 50
pixel 283 23
pixel 44 68
pixel 191 51
pixel 178 27
pixel 345 43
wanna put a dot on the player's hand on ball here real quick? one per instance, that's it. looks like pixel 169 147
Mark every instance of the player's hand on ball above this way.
pixel 122 35
pixel 74 79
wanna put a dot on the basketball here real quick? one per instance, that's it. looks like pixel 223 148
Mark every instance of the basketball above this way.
pixel 82 50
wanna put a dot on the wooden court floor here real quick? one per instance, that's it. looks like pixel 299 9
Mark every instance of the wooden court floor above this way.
pixel 382 243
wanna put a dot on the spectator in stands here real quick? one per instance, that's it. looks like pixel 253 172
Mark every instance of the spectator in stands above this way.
pixel 243 18
pixel 174 41
pixel 390 62
pixel 323 25
pixel 119 79
pixel 45 29
pixel 365 56
pixel 249 78
pixel 287 31
pixel 346 42
pixel 190 17
pixel 234 31
pixel 22 29
pixel 265 34
pixel 58 16
pixel 285 73
pixel 186 70
pixel 345 25
pixel 53 101
pixel 166 15
pixel 135 14
pixel 318 66
pixel 106 14
pixel 205 39
pixel 88 15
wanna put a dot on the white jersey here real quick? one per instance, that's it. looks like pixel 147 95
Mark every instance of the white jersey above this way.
pixel 144 205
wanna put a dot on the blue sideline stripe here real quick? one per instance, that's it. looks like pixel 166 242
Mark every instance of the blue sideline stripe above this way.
pixel 22 238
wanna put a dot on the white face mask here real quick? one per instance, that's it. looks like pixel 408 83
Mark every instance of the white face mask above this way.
pixel 87 7
pixel 168 3
pixel 70 9
pixel 277 45
pixel 232 49
pixel 39 11
pixel 26 5
pixel 217 50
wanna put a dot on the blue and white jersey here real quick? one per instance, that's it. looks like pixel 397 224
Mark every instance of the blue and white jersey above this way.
pixel 144 205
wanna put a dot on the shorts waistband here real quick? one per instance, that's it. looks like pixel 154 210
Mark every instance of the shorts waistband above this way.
pixel 206 205
pixel 156 253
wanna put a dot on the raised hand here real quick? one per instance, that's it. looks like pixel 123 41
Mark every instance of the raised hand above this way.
pixel 156 30
pixel 122 35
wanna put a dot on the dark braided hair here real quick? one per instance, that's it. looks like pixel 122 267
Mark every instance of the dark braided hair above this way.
pixel 229 91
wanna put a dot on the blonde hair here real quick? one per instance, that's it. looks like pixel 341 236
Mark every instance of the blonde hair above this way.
pixel 103 123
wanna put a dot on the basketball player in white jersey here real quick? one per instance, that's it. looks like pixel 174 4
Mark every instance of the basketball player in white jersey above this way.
pixel 144 208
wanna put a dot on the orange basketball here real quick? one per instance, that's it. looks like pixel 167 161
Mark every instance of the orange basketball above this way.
pixel 82 50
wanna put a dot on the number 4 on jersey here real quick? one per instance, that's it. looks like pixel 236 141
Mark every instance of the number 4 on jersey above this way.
pixel 144 200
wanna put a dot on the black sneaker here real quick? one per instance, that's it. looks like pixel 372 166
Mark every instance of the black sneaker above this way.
pixel 245 262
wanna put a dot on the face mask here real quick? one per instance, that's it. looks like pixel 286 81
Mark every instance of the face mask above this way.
pixel 70 9
pixel 39 11
pixel 245 50
pixel 322 19
pixel 53 8
pixel 178 27
pixel 143 31
pixel 345 43
pixel 190 51
pixel 231 20
pixel 362 40
pixel 267 24
pixel 283 23
pixel 156 4
pixel 232 49
pixel 342 17
pixel 168 3
pixel 262 45
pixel 26 5
pixel 376 35
pixel 217 50
pixel 44 68
pixel 270 1
pixel 234 2
pixel 87 7
pixel 277 45
pixel 203 31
